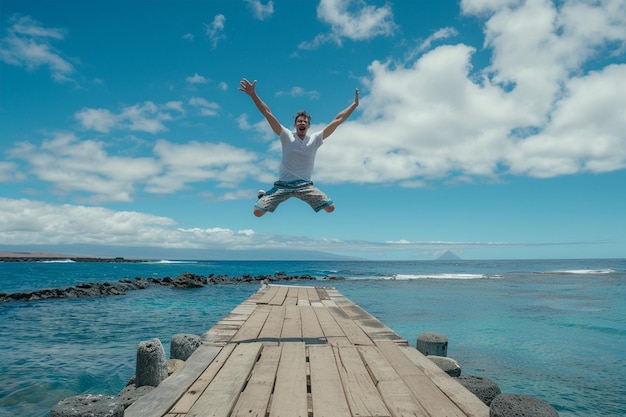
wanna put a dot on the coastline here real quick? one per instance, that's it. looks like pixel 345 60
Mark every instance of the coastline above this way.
pixel 47 256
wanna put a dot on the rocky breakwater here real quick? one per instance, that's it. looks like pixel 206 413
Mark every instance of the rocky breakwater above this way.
pixel 186 280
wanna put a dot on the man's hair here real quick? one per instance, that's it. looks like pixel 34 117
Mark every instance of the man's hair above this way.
pixel 302 113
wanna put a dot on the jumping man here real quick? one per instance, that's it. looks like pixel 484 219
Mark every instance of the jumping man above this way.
pixel 299 151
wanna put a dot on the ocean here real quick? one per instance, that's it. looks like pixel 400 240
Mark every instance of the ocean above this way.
pixel 553 329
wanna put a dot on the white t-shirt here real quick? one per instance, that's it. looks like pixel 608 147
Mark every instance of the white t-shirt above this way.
pixel 298 155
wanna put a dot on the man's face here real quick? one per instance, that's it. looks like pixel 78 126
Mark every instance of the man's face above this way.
pixel 302 125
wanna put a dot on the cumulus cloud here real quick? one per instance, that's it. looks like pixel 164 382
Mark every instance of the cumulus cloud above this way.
pixel 215 29
pixel 259 10
pixel 299 92
pixel 86 171
pixel 144 117
pixel 536 110
pixel 31 222
pixel 196 79
pixel 28 43
pixel 351 19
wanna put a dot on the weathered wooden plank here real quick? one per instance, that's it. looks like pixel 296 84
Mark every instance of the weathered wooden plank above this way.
pixel 290 393
pixel 311 330
pixel 279 297
pixel 270 333
pixel 371 325
pixel 328 323
pixel 353 332
pixel 251 328
pixel 192 394
pixel 268 293
pixel 220 396
pixel 471 405
pixel 292 296
pixel 363 397
pixel 255 398
pixel 395 394
pixel 429 395
pixel 158 401
pixel 292 324
pixel 312 294
pixel 326 389
pixel 303 297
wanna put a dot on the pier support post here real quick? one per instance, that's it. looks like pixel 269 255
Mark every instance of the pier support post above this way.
pixel 151 363
pixel 183 345
pixel 430 343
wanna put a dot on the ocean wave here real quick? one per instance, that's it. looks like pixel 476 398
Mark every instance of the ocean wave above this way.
pixel 167 261
pixel 58 261
pixel 441 276
pixel 581 271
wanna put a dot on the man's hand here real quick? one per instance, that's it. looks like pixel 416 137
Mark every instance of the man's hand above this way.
pixel 248 87
pixel 356 96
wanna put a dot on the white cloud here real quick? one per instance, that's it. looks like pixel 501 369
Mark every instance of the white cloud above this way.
pixel 352 19
pixel 196 79
pixel 206 107
pixel 29 44
pixel 84 168
pixel 299 92
pixel 31 222
pixel 144 117
pixel 535 111
pixel 215 29
pixel 261 11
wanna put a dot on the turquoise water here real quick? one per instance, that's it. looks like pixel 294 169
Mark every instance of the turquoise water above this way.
pixel 552 329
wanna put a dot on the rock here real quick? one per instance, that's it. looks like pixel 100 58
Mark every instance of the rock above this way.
pixel 448 365
pixel 183 345
pixel 483 388
pixel 151 363
pixel 174 365
pixel 189 280
pixel 430 343
pixel 514 405
pixel 131 393
pixel 88 406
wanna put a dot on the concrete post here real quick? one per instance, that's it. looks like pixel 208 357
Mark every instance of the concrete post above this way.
pixel 183 345
pixel 151 363
pixel 432 344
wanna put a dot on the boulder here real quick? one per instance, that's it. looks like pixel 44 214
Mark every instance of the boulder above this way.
pixel 483 388
pixel 515 405
pixel 131 393
pixel 88 405
pixel 189 280
pixel 448 365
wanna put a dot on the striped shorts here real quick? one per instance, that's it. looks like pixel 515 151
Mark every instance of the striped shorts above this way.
pixel 283 190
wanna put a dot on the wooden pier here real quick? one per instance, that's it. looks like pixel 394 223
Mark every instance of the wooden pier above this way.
pixel 295 351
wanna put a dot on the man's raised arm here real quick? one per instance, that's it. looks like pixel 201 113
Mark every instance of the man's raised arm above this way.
pixel 342 116
pixel 249 88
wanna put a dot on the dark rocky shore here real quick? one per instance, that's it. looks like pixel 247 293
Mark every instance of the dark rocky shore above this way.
pixel 184 281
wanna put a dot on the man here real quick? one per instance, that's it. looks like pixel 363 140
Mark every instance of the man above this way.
pixel 299 151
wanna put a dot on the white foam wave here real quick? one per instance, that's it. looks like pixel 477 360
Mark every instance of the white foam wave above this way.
pixel 167 261
pixel 58 261
pixel 440 276
pixel 582 271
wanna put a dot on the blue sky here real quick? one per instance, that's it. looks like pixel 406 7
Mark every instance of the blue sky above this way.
pixel 490 128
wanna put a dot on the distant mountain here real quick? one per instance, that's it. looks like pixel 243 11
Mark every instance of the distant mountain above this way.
pixel 448 256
